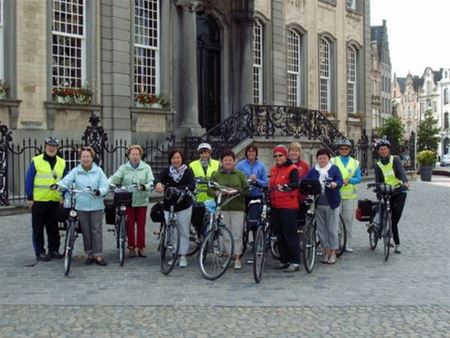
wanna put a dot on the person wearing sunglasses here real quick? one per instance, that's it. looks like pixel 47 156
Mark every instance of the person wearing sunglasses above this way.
pixel 284 197
pixel 45 170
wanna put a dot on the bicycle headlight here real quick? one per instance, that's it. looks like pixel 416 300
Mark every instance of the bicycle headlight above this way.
pixel 73 213
pixel 123 208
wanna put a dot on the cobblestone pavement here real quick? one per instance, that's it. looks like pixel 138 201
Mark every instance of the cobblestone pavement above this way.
pixel 359 296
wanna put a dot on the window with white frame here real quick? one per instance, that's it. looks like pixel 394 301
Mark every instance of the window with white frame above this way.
pixel 351 79
pixel 351 4
pixel 445 95
pixel 325 74
pixel 2 49
pixel 294 68
pixel 68 43
pixel 146 47
pixel 258 62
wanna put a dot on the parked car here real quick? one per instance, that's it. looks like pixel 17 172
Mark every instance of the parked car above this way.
pixel 445 160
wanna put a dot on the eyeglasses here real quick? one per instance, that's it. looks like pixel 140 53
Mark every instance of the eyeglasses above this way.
pixel 278 155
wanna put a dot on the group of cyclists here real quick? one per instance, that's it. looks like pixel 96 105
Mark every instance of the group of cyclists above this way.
pixel 47 178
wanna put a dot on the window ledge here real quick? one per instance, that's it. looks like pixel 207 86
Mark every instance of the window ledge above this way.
pixel 13 110
pixel 53 107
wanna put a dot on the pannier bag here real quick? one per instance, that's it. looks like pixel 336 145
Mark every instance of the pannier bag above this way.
pixel 62 214
pixel 123 198
pixel 110 214
pixel 198 216
pixel 157 212
pixel 364 210
pixel 310 187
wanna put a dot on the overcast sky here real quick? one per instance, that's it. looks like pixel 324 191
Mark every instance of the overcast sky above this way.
pixel 418 32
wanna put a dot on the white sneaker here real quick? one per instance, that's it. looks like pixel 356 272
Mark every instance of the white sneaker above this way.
pixel 237 264
pixel 183 262
pixel 348 249
pixel 332 259
pixel 397 249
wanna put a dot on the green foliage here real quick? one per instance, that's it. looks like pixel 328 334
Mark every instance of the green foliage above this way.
pixel 428 133
pixel 426 158
pixel 394 130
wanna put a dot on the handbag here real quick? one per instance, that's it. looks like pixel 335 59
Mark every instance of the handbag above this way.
pixel 157 212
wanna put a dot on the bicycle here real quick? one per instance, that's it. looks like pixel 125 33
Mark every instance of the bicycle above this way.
pixel 382 207
pixel 169 238
pixel 72 224
pixel 123 198
pixel 217 248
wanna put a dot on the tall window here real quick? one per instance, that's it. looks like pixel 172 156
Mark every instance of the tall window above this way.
pixel 294 67
pixel 445 95
pixel 351 4
pixel 351 79
pixel 69 43
pixel 446 121
pixel 146 46
pixel 258 62
pixel 325 74
pixel 2 76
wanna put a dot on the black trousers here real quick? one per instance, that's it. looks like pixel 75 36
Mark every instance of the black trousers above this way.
pixel 397 205
pixel 43 215
pixel 285 226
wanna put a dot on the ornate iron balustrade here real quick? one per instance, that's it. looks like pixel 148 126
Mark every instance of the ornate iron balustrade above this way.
pixel 269 122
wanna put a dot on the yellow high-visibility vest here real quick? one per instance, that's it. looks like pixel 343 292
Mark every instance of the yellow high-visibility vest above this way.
pixel 388 172
pixel 45 177
pixel 197 168
pixel 348 191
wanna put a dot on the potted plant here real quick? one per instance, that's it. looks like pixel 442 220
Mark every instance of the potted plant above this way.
pixel 151 100
pixel 3 90
pixel 426 159
pixel 67 95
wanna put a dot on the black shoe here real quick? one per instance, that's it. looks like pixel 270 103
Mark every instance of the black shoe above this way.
pixel 56 254
pixel 281 266
pixel 101 262
pixel 89 261
pixel 43 257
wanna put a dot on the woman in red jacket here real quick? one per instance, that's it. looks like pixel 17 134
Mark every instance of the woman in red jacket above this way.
pixel 285 208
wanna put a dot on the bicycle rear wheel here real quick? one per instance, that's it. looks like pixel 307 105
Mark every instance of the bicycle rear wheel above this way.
pixel 373 236
pixel 69 245
pixel 342 236
pixel 259 253
pixel 309 244
pixel 122 239
pixel 387 229
pixel 216 252
pixel 169 246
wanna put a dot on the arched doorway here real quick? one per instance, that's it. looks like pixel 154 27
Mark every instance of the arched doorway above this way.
pixel 445 146
pixel 208 65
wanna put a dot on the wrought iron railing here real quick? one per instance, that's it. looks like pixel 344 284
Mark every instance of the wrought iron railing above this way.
pixel 269 122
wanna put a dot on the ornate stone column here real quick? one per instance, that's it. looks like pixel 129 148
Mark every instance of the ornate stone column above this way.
pixel 188 68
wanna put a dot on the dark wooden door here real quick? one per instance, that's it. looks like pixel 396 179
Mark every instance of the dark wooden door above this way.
pixel 208 62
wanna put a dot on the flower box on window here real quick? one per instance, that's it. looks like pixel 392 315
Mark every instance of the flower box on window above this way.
pixel 356 116
pixel 4 90
pixel 329 114
pixel 151 100
pixel 67 95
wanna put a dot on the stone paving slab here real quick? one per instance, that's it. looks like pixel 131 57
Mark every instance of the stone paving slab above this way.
pixel 194 321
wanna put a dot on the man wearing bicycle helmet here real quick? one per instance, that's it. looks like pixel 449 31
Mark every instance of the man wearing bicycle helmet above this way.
pixel 351 174
pixel 45 170
pixel 388 169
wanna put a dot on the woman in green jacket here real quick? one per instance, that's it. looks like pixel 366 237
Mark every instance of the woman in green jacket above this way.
pixel 233 212
pixel 135 171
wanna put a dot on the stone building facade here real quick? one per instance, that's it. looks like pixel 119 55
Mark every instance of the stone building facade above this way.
pixel 207 59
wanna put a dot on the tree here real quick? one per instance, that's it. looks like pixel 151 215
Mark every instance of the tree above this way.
pixel 428 133
pixel 394 130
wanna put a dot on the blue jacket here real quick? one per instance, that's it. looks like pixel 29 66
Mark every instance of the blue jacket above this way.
pixel 333 195
pixel 94 178
pixel 258 169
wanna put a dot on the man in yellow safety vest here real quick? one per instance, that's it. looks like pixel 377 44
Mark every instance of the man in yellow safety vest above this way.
pixel 351 174
pixel 45 170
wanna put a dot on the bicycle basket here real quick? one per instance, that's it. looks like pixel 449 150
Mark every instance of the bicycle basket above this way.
pixel 310 187
pixel 157 212
pixel 364 210
pixel 123 198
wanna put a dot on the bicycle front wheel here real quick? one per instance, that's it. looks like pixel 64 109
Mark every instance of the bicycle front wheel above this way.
pixel 387 229
pixel 216 252
pixel 309 244
pixel 342 237
pixel 68 245
pixel 169 246
pixel 122 239
pixel 259 253
pixel 373 236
